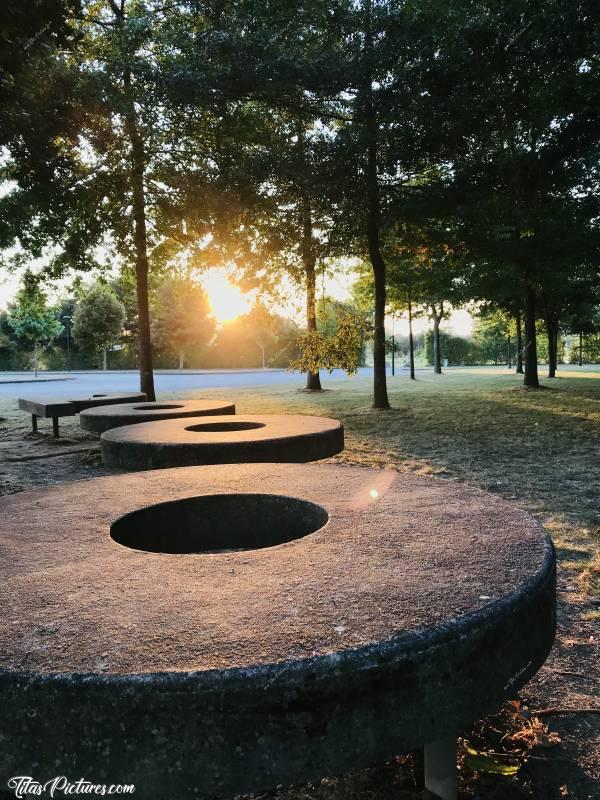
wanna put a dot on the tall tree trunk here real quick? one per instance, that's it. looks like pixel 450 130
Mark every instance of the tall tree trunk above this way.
pixel 580 348
pixel 552 333
pixel 552 311
pixel 551 355
pixel 313 379
pixel 181 359
pixel 411 342
pixel 508 351
pixel 140 239
pixel 519 344
pixel 531 370
pixel 437 350
pixel 141 259
pixel 36 358
pixel 104 359
pixel 380 394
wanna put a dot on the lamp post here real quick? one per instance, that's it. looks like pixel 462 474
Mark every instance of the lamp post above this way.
pixel 393 346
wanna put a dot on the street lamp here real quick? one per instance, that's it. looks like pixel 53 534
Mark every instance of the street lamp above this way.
pixel 393 345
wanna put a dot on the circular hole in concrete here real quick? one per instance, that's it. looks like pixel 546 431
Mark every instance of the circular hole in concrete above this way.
pixel 218 523
pixel 223 427
pixel 155 407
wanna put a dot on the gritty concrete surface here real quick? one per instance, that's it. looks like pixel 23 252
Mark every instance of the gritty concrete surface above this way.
pixel 69 406
pixel 104 418
pixel 419 605
pixel 47 407
pixel 217 440
pixel 106 399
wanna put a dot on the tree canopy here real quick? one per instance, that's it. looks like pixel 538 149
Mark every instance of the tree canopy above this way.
pixel 453 149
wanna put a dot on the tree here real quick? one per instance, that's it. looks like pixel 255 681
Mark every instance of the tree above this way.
pixel 254 339
pixel 41 177
pixel 182 319
pixel 369 165
pixel 289 225
pixel 429 264
pixel 30 319
pixel 514 116
pixel 110 161
pixel 403 294
pixel 583 320
pixel 334 69
pixel 492 333
pixel 337 345
pixel 117 120
pixel 98 321
pixel 568 291
pixel 256 96
pixel 259 326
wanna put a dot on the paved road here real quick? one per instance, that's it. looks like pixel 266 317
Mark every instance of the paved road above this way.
pixel 86 383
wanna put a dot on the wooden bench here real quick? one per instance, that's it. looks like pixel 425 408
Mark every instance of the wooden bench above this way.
pixel 54 408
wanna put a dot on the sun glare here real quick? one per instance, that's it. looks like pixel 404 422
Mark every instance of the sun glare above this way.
pixel 461 323
pixel 226 300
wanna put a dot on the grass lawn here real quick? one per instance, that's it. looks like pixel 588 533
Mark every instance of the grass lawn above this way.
pixel 537 448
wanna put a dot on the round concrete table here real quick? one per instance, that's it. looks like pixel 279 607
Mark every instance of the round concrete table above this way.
pixel 104 418
pixel 222 440
pixel 214 630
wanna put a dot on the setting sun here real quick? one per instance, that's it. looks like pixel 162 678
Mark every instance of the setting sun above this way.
pixel 227 301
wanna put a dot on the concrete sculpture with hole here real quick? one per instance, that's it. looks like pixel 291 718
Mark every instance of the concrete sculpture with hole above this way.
pixel 222 440
pixel 98 420
pixel 208 631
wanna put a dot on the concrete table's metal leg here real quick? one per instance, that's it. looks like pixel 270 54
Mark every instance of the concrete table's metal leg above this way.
pixel 34 423
pixel 440 768
pixel 55 427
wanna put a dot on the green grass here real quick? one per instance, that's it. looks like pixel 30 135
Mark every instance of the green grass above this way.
pixel 540 448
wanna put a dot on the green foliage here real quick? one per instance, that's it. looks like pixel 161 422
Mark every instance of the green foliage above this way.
pixel 331 311
pixel 455 348
pixel 182 323
pixel 11 355
pixel 590 350
pixel 491 333
pixel 98 320
pixel 29 317
pixel 341 349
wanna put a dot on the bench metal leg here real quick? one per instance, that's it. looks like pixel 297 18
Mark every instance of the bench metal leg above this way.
pixel 55 427
pixel 34 423
pixel 440 768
